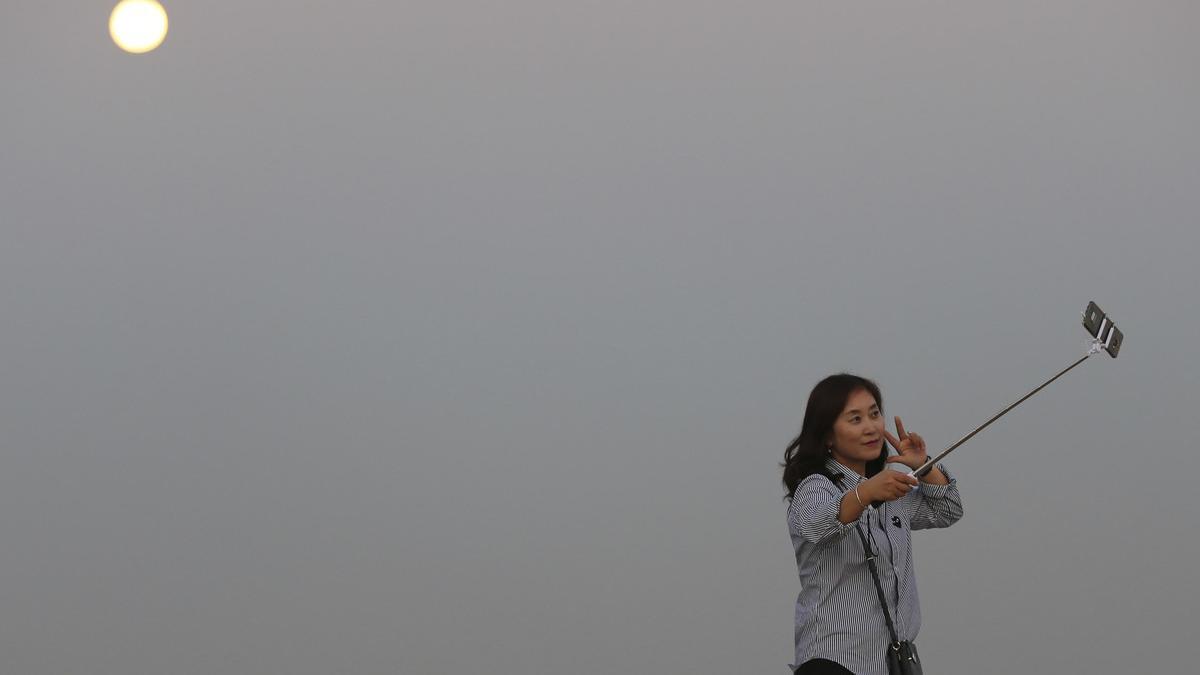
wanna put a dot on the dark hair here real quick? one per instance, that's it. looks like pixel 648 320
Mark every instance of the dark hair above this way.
pixel 806 454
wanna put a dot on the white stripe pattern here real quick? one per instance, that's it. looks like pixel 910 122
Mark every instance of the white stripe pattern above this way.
pixel 838 616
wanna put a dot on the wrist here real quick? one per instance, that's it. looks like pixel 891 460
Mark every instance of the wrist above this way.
pixel 935 476
pixel 862 493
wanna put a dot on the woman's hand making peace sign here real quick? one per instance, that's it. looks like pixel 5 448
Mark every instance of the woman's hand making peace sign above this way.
pixel 910 445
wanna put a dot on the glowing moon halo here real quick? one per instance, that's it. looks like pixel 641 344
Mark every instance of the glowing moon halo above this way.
pixel 138 26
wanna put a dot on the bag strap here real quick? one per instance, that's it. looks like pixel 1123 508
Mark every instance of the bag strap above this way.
pixel 871 558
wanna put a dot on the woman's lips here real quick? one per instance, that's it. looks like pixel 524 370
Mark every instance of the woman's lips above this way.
pixel 872 443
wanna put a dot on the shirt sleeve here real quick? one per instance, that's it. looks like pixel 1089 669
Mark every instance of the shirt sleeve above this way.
pixel 937 505
pixel 814 510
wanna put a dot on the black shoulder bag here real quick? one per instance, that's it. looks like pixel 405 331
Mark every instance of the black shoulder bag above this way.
pixel 902 656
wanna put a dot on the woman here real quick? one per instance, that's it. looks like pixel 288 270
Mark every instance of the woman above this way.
pixel 833 471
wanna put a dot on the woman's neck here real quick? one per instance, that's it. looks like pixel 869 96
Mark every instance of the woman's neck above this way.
pixel 859 467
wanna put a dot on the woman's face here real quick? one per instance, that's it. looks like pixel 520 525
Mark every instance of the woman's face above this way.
pixel 858 431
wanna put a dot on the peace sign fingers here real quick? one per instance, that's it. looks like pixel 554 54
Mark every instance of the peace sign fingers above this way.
pixel 918 441
pixel 892 439
pixel 910 446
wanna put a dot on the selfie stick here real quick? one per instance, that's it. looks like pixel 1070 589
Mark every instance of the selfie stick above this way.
pixel 1105 337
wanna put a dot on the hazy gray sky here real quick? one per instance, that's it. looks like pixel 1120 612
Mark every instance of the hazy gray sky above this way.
pixel 435 338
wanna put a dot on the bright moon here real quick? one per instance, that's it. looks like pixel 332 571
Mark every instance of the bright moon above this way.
pixel 138 26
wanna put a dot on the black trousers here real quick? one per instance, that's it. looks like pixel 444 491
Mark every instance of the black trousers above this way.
pixel 822 667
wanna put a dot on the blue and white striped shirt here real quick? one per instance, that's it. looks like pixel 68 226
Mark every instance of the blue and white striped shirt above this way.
pixel 838 616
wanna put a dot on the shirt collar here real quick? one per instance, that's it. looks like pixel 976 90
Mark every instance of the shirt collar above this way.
pixel 850 476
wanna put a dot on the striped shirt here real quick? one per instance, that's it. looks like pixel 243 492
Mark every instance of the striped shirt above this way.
pixel 838 616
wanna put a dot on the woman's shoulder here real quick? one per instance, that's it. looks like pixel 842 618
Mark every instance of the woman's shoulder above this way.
pixel 816 484
pixel 816 478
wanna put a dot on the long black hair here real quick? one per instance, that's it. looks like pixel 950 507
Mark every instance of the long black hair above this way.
pixel 806 454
